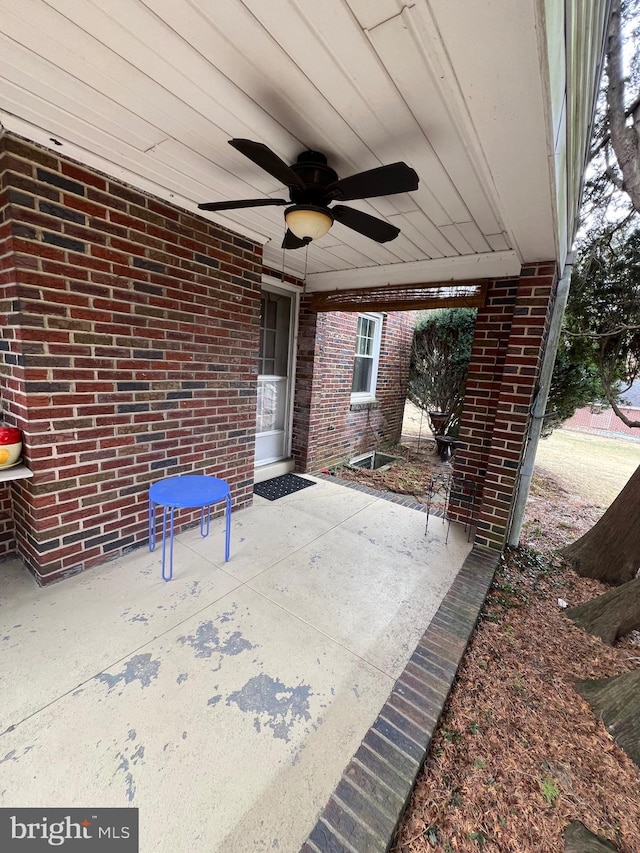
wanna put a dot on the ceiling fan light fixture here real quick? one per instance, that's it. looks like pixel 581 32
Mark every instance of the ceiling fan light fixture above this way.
pixel 308 222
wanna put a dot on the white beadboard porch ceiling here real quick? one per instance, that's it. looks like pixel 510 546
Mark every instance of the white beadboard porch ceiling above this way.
pixel 150 91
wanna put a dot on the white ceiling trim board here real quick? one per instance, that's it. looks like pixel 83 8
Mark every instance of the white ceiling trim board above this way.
pixel 489 265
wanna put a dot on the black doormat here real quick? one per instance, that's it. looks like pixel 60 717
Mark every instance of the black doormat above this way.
pixel 278 487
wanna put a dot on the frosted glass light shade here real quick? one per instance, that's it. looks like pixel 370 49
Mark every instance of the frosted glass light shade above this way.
pixel 308 223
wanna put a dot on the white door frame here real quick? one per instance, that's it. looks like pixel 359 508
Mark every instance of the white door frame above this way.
pixel 275 285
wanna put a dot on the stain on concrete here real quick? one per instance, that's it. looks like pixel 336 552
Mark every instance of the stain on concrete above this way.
pixel 184 735
pixel 207 642
pixel 132 734
pixel 315 558
pixel 139 617
pixel 228 615
pixel 275 705
pixel 130 787
pixel 13 755
pixel 365 534
pixel 182 678
pixel 140 668
pixel 215 699
pixel 195 590
pixel 125 766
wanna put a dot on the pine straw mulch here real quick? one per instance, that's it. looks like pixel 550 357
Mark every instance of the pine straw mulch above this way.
pixel 518 754
pixel 409 475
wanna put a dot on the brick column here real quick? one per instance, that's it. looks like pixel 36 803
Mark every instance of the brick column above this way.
pixel 303 393
pixel 503 375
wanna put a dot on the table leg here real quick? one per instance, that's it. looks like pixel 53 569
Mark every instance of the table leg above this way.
pixel 204 529
pixel 152 525
pixel 227 530
pixel 165 576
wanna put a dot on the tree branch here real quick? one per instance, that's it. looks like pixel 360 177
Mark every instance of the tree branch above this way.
pixel 598 336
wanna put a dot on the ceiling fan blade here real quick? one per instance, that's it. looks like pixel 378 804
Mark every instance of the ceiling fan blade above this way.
pixel 245 202
pixel 385 180
pixel 370 226
pixel 292 242
pixel 264 157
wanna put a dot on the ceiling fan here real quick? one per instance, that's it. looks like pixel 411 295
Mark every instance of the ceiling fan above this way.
pixel 313 186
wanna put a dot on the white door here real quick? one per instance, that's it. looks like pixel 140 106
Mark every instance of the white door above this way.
pixel 275 374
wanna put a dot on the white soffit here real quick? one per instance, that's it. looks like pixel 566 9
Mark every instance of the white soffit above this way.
pixel 150 91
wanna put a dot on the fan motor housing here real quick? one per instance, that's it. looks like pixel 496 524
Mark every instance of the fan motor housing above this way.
pixel 312 167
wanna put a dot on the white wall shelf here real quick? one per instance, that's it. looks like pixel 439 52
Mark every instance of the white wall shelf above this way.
pixel 18 472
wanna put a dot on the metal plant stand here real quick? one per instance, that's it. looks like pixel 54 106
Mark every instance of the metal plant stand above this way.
pixel 459 490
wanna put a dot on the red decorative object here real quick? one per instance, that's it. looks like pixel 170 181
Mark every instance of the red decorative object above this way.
pixel 10 446
pixel 10 435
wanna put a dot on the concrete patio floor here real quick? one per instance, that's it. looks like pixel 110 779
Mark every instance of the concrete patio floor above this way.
pixel 226 703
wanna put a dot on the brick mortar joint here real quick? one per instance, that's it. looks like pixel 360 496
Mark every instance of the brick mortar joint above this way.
pixel 354 816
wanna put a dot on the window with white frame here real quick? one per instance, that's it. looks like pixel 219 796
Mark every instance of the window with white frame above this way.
pixel 365 364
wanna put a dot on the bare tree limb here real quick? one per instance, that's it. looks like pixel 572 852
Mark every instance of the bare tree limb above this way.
pixel 597 336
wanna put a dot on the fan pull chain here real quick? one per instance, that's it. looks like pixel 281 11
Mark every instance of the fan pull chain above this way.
pixel 306 264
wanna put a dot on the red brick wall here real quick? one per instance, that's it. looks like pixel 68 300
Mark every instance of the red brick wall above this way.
pixel 137 326
pixel 503 374
pixel 326 429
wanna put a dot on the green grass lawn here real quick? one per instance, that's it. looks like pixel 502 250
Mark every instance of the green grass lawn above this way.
pixel 590 466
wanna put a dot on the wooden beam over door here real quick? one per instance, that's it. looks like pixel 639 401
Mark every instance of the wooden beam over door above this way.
pixel 408 297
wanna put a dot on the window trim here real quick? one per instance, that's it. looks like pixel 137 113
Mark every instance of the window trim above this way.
pixel 370 395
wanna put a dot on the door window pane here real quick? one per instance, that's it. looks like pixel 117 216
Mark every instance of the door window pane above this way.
pixel 272 396
pixel 275 318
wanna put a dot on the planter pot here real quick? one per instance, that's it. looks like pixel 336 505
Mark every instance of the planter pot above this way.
pixel 10 446
pixel 438 420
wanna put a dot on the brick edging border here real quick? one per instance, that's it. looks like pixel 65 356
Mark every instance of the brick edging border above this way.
pixel 404 500
pixel 367 805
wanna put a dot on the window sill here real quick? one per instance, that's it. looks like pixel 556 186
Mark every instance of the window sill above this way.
pixel 18 472
pixel 363 405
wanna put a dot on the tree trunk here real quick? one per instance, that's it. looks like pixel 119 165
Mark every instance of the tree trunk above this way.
pixel 578 839
pixel 624 134
pixel 610 551
pixel 617 702
pixel 611 615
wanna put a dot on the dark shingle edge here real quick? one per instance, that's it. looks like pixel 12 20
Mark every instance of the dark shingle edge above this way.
pixel 364 811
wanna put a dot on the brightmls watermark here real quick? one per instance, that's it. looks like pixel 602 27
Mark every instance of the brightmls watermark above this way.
pixel 79 830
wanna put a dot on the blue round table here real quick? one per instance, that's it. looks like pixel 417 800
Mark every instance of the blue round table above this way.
pixel 189 491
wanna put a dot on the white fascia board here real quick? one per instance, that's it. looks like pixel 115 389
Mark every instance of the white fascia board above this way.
pixel 469 267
